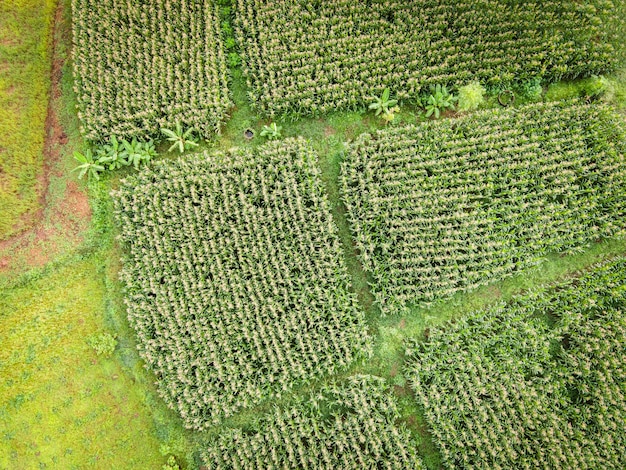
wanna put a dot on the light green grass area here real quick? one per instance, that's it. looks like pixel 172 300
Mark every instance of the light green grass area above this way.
pixel 25 51
pixel 61 405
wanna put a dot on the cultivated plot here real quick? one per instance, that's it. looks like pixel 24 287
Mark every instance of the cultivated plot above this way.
pixel 140 68
pixel 505 389
pixel 450 205
pixel 235 278
pixel 312 57
pixel 348 427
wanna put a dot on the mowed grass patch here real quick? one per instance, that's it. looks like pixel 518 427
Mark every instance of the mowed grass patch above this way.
pixel 61 405
pixel 25 45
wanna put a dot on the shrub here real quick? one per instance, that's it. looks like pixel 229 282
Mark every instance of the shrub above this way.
pixel 471 96
pixel 439 100
pixel 104 344
pixel 271 132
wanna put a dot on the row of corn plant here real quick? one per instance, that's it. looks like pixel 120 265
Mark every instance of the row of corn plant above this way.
pixel 447 206
pixel 316 57
pixel 235 279
pixel 138 69
pixel 349 426
pixel 536 383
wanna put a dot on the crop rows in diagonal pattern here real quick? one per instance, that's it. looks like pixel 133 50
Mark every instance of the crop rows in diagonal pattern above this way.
pixel 346 427
pixel 536 383
pixel 447 206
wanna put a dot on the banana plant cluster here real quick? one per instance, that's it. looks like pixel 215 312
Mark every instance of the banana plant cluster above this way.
pixel 358 432
pixel 506 388
pixel 139 69
pixel 309 58
pixel 236 284
pixel 447 206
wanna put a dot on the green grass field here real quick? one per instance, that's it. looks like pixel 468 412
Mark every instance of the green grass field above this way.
pixel 25 54
pixel 61 405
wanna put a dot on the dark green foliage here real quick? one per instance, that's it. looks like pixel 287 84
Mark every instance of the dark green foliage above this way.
pixel 450 205
pixel 503 389
pixel 355 430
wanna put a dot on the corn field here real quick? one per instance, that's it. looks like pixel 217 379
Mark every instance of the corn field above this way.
pixel 236 284
pixel 343 427
pixel 139 68
pixel 450 205
pixel 503 389
pixel 313 57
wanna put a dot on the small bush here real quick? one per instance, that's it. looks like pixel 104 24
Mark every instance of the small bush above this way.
pixel 531 89
pixel 104 344
pixel 171 464
pixel 596 87
pixel 471 96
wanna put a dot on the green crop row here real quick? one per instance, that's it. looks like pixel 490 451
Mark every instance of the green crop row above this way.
pixel 503 389
pixel 235 279
pixel 140 68
pixel 447 206
pixel 344 427
pixel 304 57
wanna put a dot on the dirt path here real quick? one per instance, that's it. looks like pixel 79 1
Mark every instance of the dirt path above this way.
pixel 65 213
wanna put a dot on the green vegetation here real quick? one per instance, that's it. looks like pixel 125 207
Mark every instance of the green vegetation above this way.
pixel 440 99
pixel 235 280
pixel 311 58
pixel 74 392
pixel 448 206
pixel 348 427
pixel 535 383
pixel 25 51
pixel 140 69
pixel 62 405
pixel 471 96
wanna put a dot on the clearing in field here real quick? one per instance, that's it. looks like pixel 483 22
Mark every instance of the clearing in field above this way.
pixel 235 279
pixel 139 68
pixel 313 57
pixel 536 383
pixel 350 427
pixel 450 205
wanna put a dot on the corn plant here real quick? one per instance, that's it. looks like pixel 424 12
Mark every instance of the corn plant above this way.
pixel 139 69
pixel 447 206
pixel 536 383
pixel 358 433
pixel 235 279
pixel 311 58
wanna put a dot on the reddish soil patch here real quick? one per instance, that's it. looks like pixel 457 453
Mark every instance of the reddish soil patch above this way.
pixel 328 131
pixel 61 219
